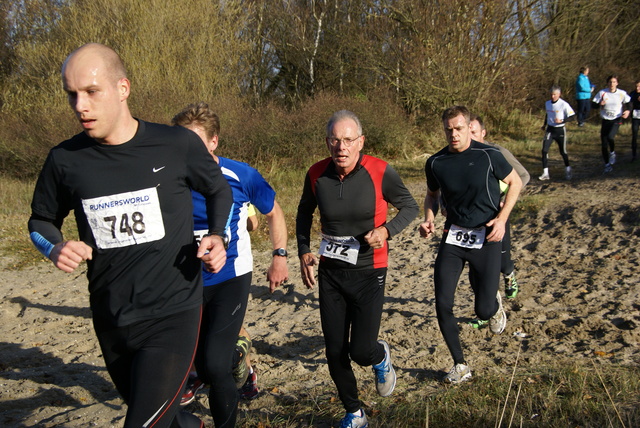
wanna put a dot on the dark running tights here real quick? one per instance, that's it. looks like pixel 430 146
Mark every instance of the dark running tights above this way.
pixel 350 311
pixel 608 133
pixel 225 305
pixel 484 265
pixel 149 362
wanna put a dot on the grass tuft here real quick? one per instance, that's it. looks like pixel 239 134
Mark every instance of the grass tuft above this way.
pixel 550 396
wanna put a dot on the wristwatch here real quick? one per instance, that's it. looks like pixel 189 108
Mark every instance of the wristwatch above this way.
pixel 225 239
pixel 280 252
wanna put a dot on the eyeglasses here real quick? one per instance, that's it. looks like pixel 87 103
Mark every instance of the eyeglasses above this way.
pixel 348 142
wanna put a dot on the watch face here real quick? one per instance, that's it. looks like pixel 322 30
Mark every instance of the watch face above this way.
pixel 280 252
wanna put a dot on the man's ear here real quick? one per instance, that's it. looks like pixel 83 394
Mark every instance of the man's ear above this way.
pixel 124 88
pixel 214 142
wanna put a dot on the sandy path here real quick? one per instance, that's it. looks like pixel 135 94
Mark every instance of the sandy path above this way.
pixel 577 263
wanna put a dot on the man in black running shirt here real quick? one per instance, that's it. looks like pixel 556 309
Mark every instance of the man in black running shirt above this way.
pixel 128 182
pixel 466 174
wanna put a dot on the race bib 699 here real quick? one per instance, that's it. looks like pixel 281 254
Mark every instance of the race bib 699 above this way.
pixel 125 219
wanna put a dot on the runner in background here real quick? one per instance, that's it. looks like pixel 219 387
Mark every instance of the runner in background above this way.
pixel 635 122
pixel 558 113
pixel 507 267
pixel 613 108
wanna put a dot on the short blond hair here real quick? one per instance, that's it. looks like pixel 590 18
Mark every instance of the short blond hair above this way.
pixel 201 115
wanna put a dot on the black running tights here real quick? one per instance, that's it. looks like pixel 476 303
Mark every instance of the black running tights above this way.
pixel 149 363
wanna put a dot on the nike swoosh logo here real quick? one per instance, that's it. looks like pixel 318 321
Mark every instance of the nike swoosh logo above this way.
pixel 158 169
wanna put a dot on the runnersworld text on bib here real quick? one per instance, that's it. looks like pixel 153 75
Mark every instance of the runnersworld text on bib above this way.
pixel 125 219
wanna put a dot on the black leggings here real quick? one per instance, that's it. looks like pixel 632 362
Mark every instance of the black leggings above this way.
pixel 559 135
pixel 225 305
pixel 350 310
pixel 608 132
pixel 484 265
pixel 506 262
pixel 149 363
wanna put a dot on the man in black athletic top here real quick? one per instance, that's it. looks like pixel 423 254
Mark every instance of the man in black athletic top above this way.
pixel 467 175
pixel 351 192
pixel 128 183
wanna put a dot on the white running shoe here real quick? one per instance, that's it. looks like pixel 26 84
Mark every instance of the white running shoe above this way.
pixel 608 168
pixel 544 177
pixel 498 321
pixel 459 373
pixel 351 420
pixel 385 374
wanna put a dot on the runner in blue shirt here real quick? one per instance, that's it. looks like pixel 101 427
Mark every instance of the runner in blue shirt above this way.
pixel 226 292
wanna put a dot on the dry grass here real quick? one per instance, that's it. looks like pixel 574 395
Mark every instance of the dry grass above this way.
pixel 551 396
pixel 15 196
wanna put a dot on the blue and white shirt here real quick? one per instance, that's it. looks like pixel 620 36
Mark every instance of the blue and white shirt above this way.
pixel 248 187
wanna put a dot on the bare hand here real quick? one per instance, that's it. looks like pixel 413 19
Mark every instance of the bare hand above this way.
pixel 497 233
pixel 307 262
pixel 377 237
pixel 68 255
pixel 212 253
pixel 427 229
pixel 278 272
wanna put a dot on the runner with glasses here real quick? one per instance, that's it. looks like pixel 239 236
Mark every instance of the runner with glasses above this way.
pixel 352 192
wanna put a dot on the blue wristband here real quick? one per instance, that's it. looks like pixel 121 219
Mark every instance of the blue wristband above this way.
pixel 41 243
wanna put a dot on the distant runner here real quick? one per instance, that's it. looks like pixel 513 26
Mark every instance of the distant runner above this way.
pixel 558 112
pixel 613 108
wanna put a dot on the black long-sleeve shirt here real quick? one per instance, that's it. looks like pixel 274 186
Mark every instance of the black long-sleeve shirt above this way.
pixel 132 205
pixel 353 207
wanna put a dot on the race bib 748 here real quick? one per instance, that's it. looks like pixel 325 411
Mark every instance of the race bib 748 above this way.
pixel 125 219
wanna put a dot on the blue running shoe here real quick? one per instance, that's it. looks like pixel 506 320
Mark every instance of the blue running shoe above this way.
pixel 385 374
pixel 351 420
